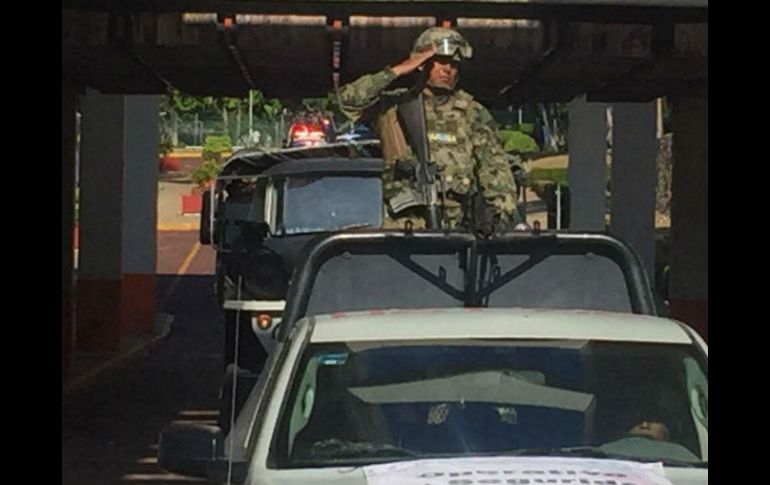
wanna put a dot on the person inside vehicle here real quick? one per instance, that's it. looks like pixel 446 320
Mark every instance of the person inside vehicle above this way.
pixel 654 430
pixel 655 423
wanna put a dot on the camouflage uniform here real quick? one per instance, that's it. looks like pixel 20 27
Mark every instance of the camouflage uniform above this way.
pixel 463 143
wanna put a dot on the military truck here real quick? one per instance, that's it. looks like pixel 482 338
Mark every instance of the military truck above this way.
pixel 261 211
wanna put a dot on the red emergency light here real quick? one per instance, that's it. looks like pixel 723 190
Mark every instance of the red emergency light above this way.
pixel 307 134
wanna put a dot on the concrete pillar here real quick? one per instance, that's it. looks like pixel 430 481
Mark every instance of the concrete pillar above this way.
pixel 587 141
pixel 140 213
pixel 101 210
pixel 68 143
pixel 689 212
pixel 633 178
pixel 116 285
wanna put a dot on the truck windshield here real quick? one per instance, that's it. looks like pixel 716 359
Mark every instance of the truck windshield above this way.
pixel 322 203
pixel 359 402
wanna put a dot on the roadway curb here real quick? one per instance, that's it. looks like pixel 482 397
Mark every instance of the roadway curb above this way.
pixel 163 323
pixel 179 226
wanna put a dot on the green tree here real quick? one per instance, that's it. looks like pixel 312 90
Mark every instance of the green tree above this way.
pixel 225 106
pixel 175 105
pixel 272 108
pixel 517 142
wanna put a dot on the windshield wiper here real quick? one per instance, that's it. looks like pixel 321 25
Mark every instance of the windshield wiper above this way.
pixel 589 452
pixel 334 448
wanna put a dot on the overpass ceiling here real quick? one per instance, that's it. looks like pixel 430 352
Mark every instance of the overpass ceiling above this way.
pixel 520 55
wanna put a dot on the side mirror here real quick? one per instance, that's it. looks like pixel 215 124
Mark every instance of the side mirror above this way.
pixel 204 234
pixel 195 450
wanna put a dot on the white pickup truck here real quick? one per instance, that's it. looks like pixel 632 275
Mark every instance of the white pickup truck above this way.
pixel 466 396
pixel 428 356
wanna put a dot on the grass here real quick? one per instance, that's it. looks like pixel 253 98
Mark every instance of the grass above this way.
pixel 539 176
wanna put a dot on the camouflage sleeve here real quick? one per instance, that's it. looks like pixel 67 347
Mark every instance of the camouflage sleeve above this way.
pixel 363 93
pixel 493 171
pixel 483 116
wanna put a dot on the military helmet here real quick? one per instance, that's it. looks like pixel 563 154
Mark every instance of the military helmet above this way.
pixel 448 42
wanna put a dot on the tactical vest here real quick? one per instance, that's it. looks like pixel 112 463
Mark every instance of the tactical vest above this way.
pixel 450 140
